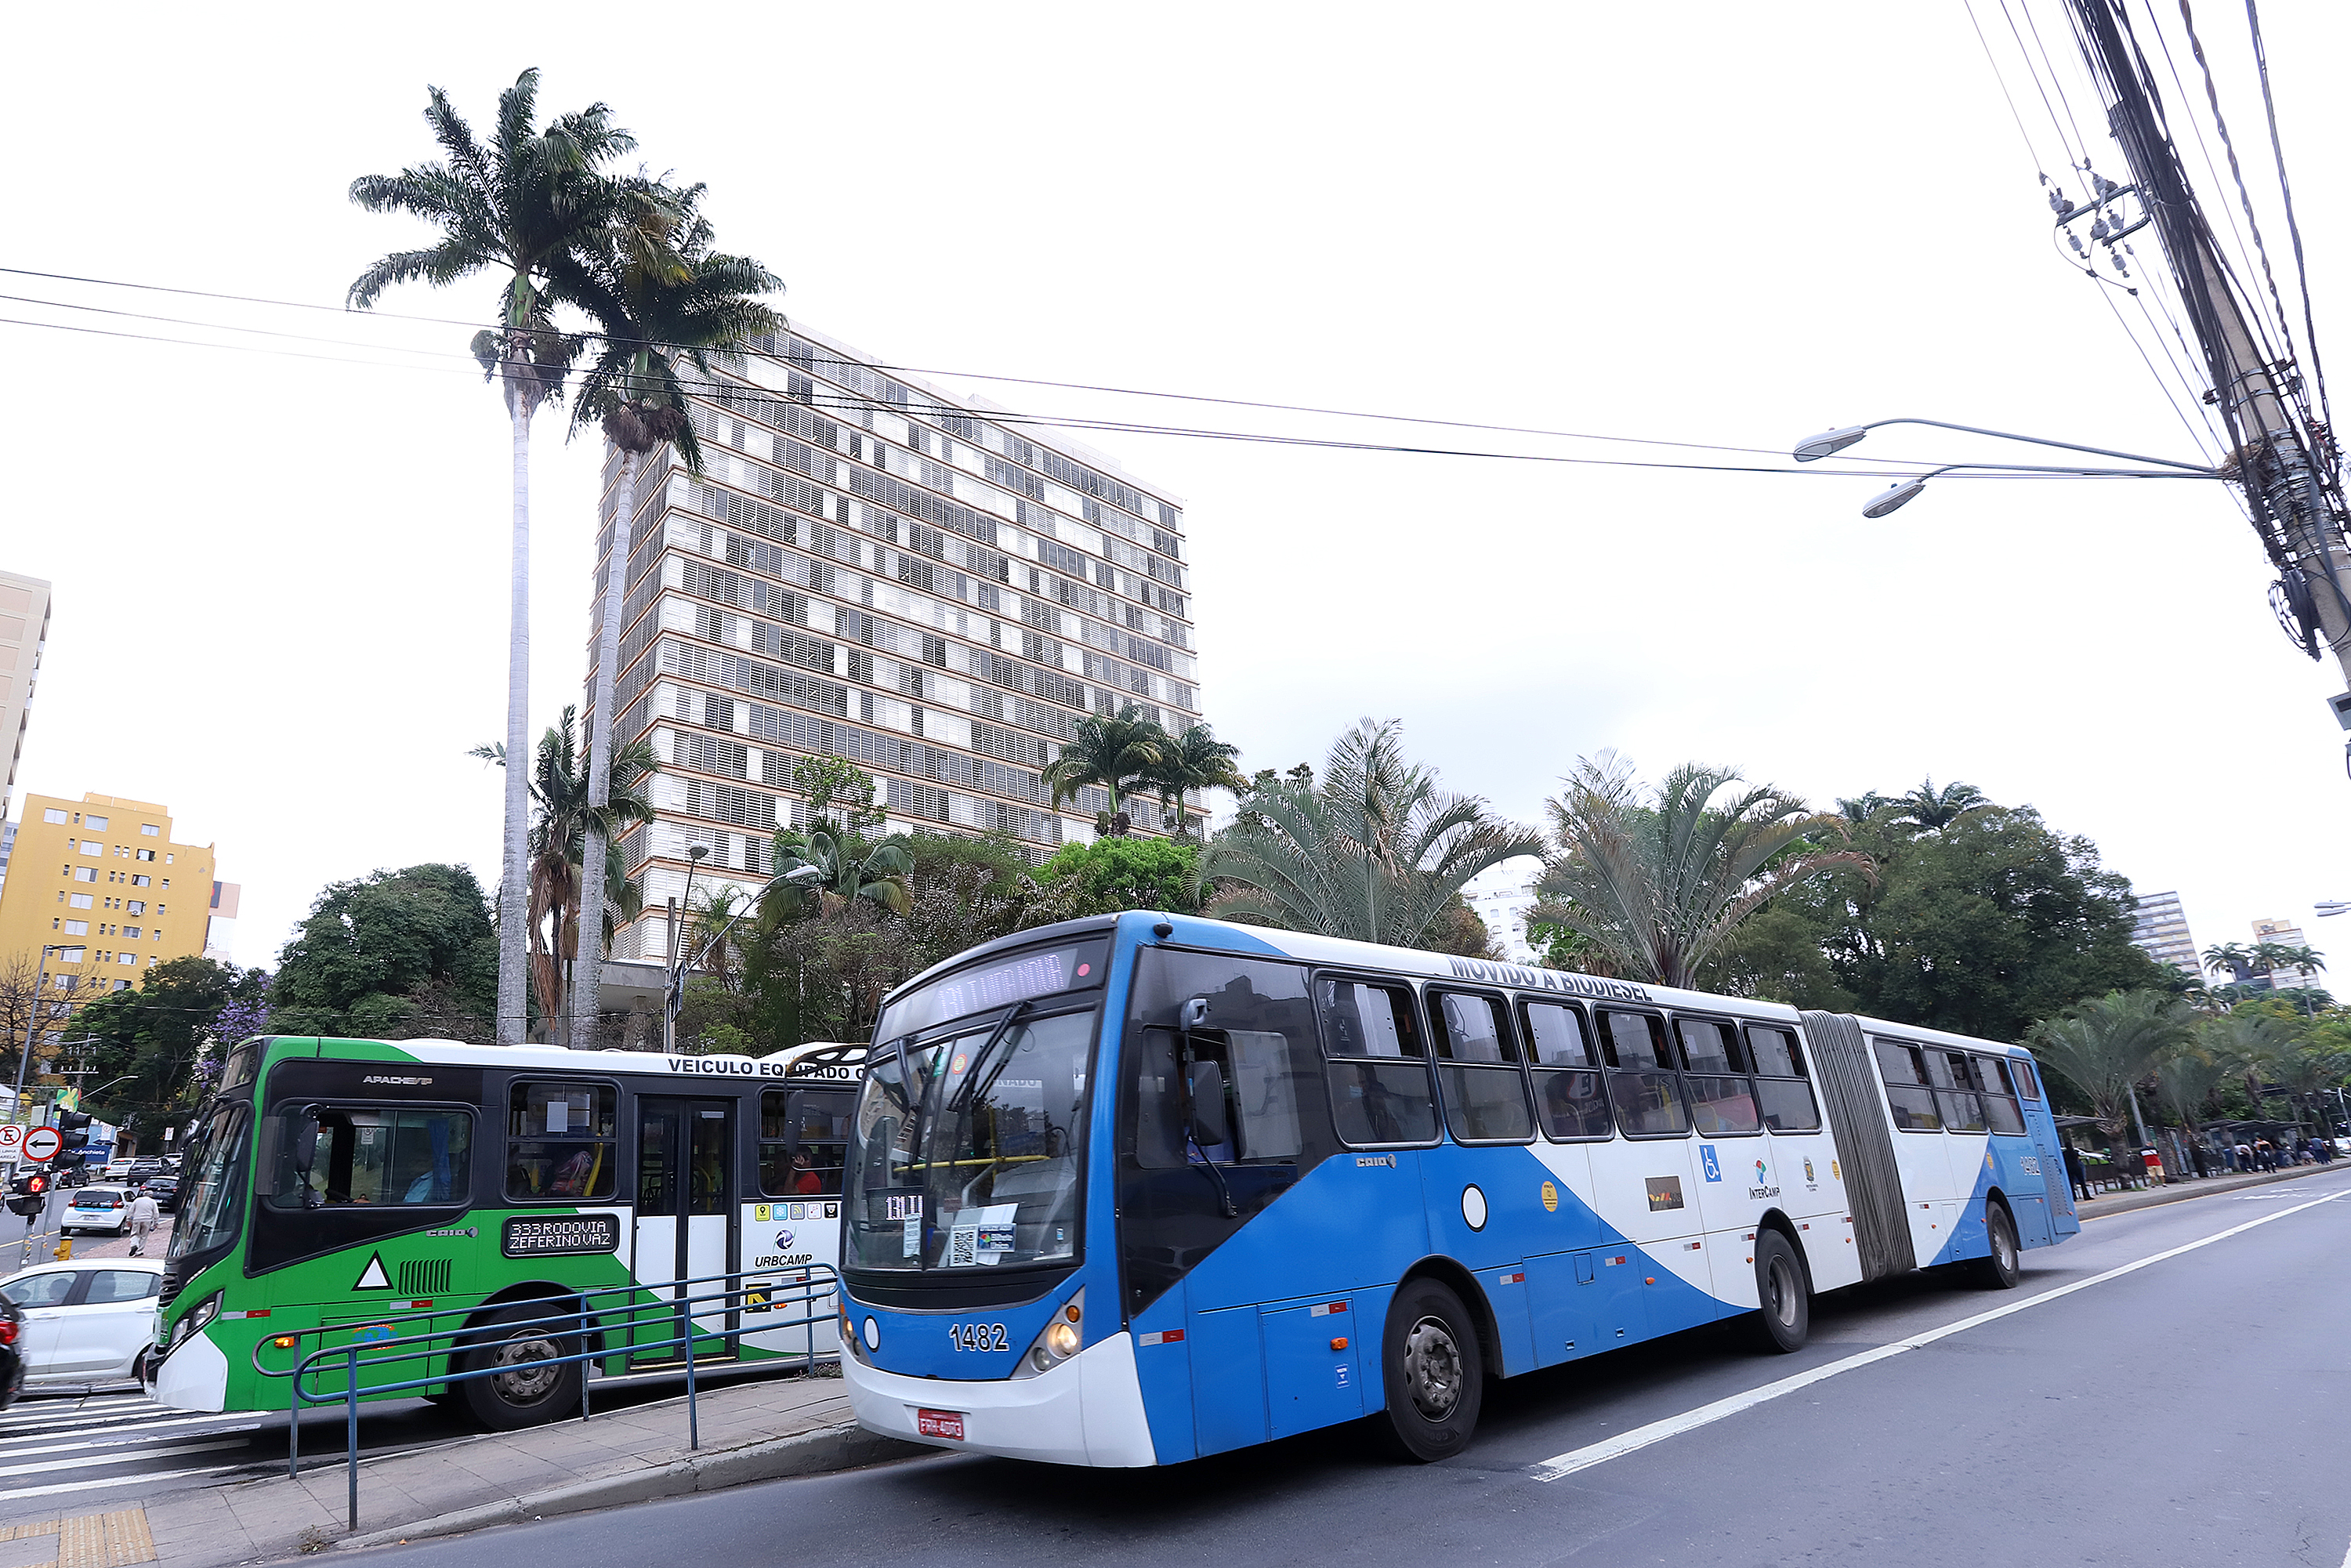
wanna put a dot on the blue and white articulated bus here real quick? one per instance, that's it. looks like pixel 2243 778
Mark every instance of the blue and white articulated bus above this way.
pixel 1133 1190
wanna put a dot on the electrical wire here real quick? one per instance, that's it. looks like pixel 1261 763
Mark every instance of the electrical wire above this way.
pixel 2228 145
pixel 2032 153
pixel 2294 227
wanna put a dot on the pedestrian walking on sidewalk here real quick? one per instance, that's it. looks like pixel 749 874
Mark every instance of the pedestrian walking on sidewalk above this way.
pixel 2074 1174
pixel 144 1217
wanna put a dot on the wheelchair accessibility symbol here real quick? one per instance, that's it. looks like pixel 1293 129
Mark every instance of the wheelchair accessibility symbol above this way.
pixel 1713 1166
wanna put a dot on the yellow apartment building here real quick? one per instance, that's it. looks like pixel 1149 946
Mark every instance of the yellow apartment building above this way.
pixel 102 882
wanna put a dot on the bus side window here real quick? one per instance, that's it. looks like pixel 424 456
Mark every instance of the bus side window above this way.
pixel 1786 1099
pixel 1379 1077
pixel 1642 1085
pixel 1484 1104
pixel 1907 1094
pixel 807 1160
pixel 560 1142
pixel 2025 1080
pixel 330 1157
pixel 1723 1097
pixel 2000 1105
pixel 1962 1107
pixel 1570 1097
pixel 1255 1027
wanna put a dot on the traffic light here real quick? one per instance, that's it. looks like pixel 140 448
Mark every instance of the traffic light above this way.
pixel 30 1195
pixel 73 1132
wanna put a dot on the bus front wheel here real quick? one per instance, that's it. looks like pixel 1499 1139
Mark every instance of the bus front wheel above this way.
pixel 1786 1317
pixel 1433 1371
pixel 530 1384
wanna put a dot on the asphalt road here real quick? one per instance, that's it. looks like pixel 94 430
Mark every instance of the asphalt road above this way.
pixel 2189 1410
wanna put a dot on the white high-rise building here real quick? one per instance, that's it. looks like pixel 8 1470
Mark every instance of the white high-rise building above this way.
pixel 1503 896
pixel 870 568
pixel 2161 931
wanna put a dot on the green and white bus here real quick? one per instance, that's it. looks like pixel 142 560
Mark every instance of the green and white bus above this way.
pixel 354 1191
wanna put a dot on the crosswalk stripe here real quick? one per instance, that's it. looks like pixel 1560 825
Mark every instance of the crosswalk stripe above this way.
pixel 119 1443
pixel 117 1481
pixel 117 1424
pixel 119 1458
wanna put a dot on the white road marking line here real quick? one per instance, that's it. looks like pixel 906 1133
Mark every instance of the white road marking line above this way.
pixel 1561 1465
pixel 117 1481
pixel 117 1459
pixel 123 1443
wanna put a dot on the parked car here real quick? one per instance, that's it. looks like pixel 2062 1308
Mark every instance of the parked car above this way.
pixel 141 1169
pixel 89 1320
pixel 96 1208
pixel 164 1190
pixel 12 1359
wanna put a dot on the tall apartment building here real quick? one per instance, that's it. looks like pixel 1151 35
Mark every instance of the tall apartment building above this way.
pixel 873 570
pixel 125 896
pixel 24 629
pixel 2161 932
pixel 220 925
pixel 1503 896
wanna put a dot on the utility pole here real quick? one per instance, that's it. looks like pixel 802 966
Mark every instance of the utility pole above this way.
pixel 2284 457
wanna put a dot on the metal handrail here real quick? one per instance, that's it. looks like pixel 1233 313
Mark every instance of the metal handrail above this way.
pixel 814 1283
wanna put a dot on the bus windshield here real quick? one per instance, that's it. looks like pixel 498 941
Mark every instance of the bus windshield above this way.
pixel 214 1196
pixel 966 1149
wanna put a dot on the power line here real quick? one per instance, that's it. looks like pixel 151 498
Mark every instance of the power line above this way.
pixel 2285 189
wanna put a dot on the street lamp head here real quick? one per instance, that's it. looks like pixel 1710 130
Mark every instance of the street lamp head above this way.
pixel 804 875
pixel 1894 499
pixel 2331 906
pixel 697 852
pixel 1828 442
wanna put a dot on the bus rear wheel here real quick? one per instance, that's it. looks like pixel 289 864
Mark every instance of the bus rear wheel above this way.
pixel 1433 1371
pixel 2004 1267
pixel 531 1383
pixel 1786 1318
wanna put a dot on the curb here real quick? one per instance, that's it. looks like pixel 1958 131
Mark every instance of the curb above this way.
pixel 2182 1193
pixel 828 1448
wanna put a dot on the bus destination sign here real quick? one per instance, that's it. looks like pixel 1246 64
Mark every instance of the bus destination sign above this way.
pixel 528 1236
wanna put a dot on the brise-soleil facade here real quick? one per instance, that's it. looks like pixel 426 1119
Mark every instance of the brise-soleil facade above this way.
pixel 869 569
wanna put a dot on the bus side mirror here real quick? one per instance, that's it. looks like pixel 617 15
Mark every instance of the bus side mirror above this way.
pixel 1208 1127
pixel 304 1151
pixel 1196 1013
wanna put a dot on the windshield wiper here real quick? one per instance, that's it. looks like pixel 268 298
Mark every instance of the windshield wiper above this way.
pixel 973 1082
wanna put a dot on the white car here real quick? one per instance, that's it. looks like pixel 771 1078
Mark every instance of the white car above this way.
pixel 98 1209
pixel 90 1320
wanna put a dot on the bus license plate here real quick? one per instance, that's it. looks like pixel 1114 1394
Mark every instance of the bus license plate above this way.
pixel 945 1423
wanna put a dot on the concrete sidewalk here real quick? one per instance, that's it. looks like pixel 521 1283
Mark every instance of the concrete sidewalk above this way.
pixel 750 1432
pixel 2182 1191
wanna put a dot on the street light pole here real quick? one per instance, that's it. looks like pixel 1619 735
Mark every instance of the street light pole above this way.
pixel 32 1021
pixel 673 997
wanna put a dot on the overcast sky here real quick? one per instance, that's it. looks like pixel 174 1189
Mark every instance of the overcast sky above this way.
pixel 280 582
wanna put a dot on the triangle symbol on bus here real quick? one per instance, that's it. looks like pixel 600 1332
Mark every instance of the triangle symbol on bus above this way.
pixel 372 1277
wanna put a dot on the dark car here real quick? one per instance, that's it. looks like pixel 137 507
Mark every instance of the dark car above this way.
pixel 164 1190
pixel 11 1351
pixel 141 1169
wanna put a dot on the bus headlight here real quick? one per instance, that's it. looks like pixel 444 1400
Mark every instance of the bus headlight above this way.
pixel 1060 1339
pixel 196 1317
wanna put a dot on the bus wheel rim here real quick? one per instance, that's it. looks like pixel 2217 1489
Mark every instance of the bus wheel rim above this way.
pixel 1432 1368
pixel 2004 1246
pixel 1783 1292
pixel 532 1378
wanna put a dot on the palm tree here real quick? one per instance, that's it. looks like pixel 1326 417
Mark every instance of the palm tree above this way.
pixel 2309 1073
pixel 1659 882
pixel 2187 1076
pixel 662 295
pixel 561 816
pixel 2254 1045
pixel 513 206
pixel 2231 956
pixel 1195 760
pixel 850 870
pixel 1934 809
pixel 1861 808
pixel 1117 753
pixel 2106 1044
pixel 1375 850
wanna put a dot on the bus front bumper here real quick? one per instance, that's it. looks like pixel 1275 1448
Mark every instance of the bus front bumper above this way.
pixel 193 1376
pixel 1086 1411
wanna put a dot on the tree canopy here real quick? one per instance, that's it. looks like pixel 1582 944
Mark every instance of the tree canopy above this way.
pixel 156 1034
pixel 395 955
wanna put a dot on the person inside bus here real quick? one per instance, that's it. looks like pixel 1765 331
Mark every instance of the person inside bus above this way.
pixel 1379 1105
pixel 1574 1105
pixel 805 1179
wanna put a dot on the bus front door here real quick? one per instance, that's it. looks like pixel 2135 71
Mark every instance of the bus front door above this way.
pixel 685 1215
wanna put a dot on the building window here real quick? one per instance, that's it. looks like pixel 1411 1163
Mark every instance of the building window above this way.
pixel 137 906
pixel 76 927
pixel 94 823
pixel 85 874
pixel 131 932
pixel 121 985
pixel 167 858
pixel 71 956
pixel 151 830
pixel 83 901
pixel 130 958
pixel 53 815
pixel 90 847
pixel 146 854
pixel 140 881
